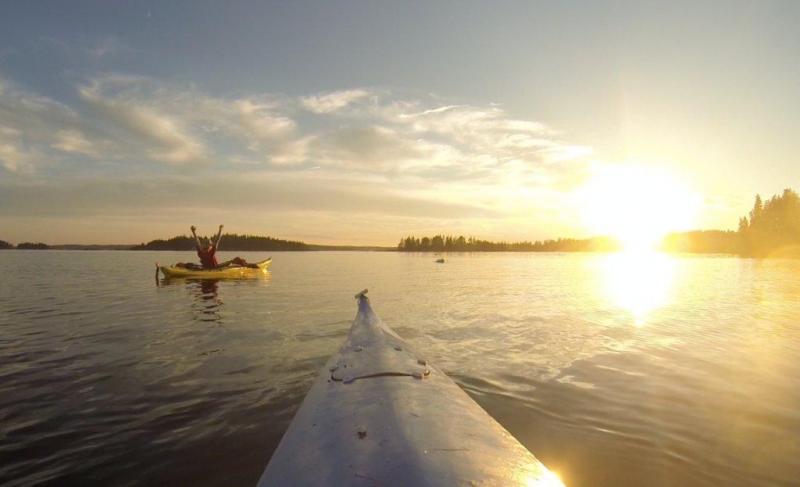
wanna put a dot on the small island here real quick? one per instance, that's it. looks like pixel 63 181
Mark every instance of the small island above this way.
pixel 230 241
pixel 32 246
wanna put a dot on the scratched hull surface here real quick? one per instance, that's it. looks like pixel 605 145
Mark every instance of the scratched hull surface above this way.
pixel 379 414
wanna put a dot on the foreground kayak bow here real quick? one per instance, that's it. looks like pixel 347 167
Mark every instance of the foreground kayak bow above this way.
pixel 380 415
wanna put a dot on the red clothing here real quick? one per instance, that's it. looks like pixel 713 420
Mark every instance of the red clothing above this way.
pixel 207 257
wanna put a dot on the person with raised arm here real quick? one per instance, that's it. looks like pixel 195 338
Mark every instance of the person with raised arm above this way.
pixel 207 249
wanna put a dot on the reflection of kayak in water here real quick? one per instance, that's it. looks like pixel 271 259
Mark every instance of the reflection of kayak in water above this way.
pixel 231 271
pixel 380 415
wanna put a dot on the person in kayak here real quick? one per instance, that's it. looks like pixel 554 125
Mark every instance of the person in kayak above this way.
pixel 206 250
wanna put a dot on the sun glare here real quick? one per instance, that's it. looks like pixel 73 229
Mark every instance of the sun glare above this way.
pixel 549 479
pixel 637 205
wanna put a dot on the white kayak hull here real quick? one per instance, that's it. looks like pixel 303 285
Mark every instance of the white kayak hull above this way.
pixel 380 415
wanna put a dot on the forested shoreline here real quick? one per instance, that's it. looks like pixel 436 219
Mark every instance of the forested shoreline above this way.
pixel 771 229
pixel 235 242
pixel 448 243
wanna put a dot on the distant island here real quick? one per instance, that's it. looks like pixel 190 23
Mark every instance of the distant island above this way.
pixel 447 243
pixel 229 242
pixel 42 246
pixel 248 243
pixel 32 246
pixel 771 229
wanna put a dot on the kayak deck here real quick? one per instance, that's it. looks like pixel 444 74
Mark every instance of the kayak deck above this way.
pixel 380 415
pixel 221 273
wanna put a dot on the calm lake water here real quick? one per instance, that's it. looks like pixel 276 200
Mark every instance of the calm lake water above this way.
pixel 613 370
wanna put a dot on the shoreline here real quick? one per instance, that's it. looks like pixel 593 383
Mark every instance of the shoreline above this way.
pixel 385 249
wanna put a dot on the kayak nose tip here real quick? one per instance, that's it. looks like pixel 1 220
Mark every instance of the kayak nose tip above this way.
pixel 363 302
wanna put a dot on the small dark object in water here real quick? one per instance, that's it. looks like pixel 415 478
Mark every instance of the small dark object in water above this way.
pixel 209 352
pixel 440 261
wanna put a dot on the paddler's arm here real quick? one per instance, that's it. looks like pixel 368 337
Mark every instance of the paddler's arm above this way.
pixel 196 240
pixel 219 237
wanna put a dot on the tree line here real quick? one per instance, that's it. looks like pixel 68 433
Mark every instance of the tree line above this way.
pixel 448 243
pixel 43 246
pixel 233 242
pixel 772 228
pixel 23 246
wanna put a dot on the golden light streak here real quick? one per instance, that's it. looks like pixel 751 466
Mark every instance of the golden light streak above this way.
pixel 548 479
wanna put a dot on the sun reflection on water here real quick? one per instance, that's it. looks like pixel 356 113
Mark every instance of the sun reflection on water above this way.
pixel 548 479
pixel 638 281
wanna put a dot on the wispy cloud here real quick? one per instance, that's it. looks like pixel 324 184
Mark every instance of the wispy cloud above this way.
pixel 12 156
pixel 165 136
pixel 292 152
pixel 73 141
pixel 331 102
pixel 281 191
pixel 28 127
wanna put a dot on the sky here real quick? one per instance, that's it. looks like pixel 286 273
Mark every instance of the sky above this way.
pixel 362 122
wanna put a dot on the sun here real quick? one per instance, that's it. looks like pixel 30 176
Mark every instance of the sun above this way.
pixel 637 205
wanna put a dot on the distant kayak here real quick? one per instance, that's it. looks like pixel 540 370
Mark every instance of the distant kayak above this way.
pixel 380 415
pixel 440 261
pixel 228 272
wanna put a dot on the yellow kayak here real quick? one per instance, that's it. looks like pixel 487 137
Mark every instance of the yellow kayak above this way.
pixel 229 272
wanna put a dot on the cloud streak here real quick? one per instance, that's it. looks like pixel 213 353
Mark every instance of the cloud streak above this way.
pixel 286 193
pixel 164 137
pixel 331 102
